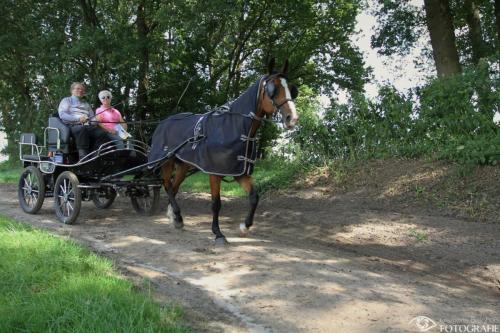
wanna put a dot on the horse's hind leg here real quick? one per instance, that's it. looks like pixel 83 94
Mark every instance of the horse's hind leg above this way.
pixel 171 189
pixel 220 239
pixel 246 183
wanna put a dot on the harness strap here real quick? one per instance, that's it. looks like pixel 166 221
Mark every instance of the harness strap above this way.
pixel 244 137
pixel 254 116
pixel 284 102
pixel 246 159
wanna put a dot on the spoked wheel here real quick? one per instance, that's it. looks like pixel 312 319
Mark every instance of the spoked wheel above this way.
pixel 103 201
pixel 67 197
pixel 31 190
pixel 148 202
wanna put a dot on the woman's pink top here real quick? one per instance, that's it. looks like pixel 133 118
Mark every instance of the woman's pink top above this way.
pixel 109 116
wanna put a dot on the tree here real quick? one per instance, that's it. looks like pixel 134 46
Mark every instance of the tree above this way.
pixel 146 52
pixel 440 25
pixel 401 23
pixel 497 20
pixel 478 45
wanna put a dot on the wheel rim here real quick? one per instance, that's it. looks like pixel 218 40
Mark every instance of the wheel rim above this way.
pixel 66 198
pixel 31 190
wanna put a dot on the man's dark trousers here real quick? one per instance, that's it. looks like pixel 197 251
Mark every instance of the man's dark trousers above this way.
pixel 85 135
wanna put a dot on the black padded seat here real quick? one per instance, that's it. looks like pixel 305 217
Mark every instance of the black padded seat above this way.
pixel 66 140
pixel 34 158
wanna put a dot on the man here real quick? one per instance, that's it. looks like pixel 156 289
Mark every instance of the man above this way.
pixel 77 114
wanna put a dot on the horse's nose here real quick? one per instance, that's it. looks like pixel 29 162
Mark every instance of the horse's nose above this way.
pixel 291 121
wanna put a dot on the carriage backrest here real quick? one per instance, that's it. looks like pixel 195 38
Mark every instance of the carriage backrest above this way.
pixel 58 131
pixel 28 138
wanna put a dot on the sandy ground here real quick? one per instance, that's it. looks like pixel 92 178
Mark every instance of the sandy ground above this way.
pixel 312 263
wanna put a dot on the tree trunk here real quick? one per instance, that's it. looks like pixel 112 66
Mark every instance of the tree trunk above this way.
pixel 497 18
pixel 440 25
pixel 475 34
pixel 90 20
pixel 142 32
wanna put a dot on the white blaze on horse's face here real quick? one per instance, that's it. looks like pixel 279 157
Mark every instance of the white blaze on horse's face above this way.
pixel 290 116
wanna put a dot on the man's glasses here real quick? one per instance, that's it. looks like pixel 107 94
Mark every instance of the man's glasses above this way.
pixel 105 97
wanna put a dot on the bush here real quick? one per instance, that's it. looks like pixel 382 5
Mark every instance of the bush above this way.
pixel 449 118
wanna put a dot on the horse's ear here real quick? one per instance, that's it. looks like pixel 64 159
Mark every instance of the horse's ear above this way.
pixel 270 66
pixel 285 67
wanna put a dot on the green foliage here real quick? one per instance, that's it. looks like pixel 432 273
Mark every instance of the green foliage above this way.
pixel 9 172
pixel 269 174
pixel 365 128
pixel 54 285
pixel 456 116
pixel 311 138
pixel 452 121
pixel 217 46
pixel 400 25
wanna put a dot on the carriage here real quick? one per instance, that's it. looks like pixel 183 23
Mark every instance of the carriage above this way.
pixel 221 143
pixel 53 169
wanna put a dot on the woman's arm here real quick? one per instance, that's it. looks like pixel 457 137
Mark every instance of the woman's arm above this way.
pixel 124 124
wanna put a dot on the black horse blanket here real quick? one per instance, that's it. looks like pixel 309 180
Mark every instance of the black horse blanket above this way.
pixel 220 143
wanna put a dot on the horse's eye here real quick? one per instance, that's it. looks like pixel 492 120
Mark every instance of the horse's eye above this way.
pixel 294 91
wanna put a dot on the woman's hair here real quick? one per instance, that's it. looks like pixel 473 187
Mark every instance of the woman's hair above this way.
pixel 104 93
pixel 74 84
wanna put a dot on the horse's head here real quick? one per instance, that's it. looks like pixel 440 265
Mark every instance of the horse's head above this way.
pixel 278 95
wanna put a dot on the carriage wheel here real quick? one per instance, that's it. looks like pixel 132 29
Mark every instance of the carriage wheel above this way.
pixel 67 197
pixel 103 201
pixel 31 190
pixel 148 203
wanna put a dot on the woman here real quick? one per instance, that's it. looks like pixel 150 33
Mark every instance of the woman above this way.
pixel 110 119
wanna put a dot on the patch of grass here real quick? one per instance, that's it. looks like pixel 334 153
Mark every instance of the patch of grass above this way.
pixel 54 285
pixel 418 234
pixel 268 175
pixel 198 182
pixel 10 172
pixel 419 191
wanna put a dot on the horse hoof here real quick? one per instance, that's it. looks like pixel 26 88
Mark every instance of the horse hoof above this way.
pixel 221 241
pixel 243 230
pixel 178 223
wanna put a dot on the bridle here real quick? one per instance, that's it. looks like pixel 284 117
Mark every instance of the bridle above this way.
pixel 271 91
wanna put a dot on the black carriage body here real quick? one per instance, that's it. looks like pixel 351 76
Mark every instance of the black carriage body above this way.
pixel 55 170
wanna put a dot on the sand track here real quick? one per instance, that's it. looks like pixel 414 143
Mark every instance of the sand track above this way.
pixel 311 263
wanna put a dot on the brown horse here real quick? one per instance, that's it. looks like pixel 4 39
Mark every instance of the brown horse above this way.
pixel 273 94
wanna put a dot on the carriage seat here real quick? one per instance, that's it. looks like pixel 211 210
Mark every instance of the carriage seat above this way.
pixel 28 143
pixel 66 144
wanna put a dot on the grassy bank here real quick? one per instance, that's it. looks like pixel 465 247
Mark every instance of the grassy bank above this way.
pixel 471 192
pixel 10 172
pixel 54 285
pixel 268 174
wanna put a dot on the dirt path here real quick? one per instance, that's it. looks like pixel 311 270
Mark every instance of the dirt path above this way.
pixel 311 264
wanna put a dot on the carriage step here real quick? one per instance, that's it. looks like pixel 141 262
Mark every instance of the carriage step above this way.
pixel 89 186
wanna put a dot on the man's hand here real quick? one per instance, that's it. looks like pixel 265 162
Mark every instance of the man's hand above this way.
pixel 83 119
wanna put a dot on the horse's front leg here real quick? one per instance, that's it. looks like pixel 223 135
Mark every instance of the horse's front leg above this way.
pixel 173 210
pixel 246 183
pixel 220 239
